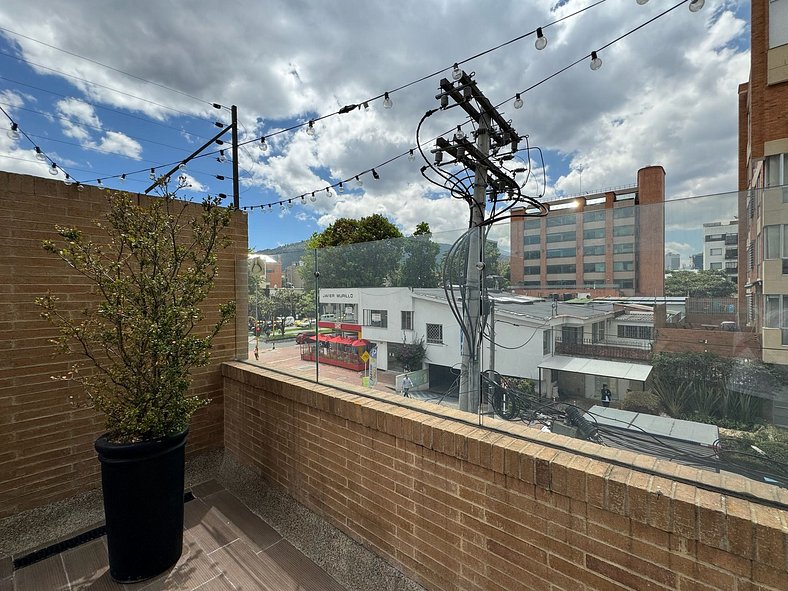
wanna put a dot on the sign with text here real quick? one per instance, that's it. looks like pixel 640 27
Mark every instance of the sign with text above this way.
pixel 344 296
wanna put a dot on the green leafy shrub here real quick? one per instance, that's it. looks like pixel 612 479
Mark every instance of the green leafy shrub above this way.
pixel 138 343
pixel 646 402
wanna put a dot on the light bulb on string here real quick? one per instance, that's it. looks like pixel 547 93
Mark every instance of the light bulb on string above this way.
pixel 596 62
pixel 122 178
pixel 387 102
pixel 518 101
pixel 459 134
pixel 341 187
pixel 456 73
pixel 696 5
pixel 328 191
pixel 311 129
pixel 541 40
pixel 642 2
pixel 359 182
pixel 53 169
pixel 80 187
pixel 303 201
pixel 13 133
pixel 312 197
pixel 289 204
pixel 40 155
pixel 366 106
pixel 411 155
pixel 99 184
pixel 375 175
pixel 282 208
pixel 181 166
pixel 68 181
pixel 152 175
pixel 263 145
pixel 222 158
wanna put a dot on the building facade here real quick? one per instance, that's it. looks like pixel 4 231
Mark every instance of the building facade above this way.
pixel 721 248
pixel 763 175
pixel 672 261
pixel 606 244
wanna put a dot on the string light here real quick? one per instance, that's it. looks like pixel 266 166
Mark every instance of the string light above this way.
pixel 596 62
pixel 53 169
pixel 541 40
pixel 263 145
pixel 312 197
pixel 80 187
pixel 387 102
pixel 181 166
pixel 456 73
pixel 68 181
pixel 642 2
pixel 13 133
pixel 375 175
pixel 359 182
pixel 123 178
pixel 289 204
pixel 152 175
pixel 100 185
pixel 311 129
pixel 459 134
pixel 222 158
pixel 518 101
pixel 366 106
pixel 40 155
pixel 696 5
pixel 411 155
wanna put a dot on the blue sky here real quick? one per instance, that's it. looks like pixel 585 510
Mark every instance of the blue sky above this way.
pixel 130 89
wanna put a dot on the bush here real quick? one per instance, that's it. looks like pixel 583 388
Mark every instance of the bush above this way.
pixel 772 441
pixel 645 401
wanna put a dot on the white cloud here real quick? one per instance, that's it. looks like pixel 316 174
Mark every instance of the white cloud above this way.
pixel 115 142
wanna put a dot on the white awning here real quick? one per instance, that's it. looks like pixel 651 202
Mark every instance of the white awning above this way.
pixel 598 367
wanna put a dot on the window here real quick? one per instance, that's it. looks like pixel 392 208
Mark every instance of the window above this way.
pixel 624 248
pixel 624 283
pixel 572 334
pixel 623 212
pixel 553 269
pixel 407 320
pixel 532 270
pixel 435 334
pixel 598 332
pixel 593 233
pixel 624 231
pixel 778 23
pixel 377 318
pixel 557 253
pixel 532 224
pixel 532 239
pixel 562 237
pixel 560 220
pixel 626 331
pixel 715 237
pixel 532 284
pixel 530 255
pixel 777 314
pixel 593 267
pixel 715 266
pixel 591 251
pixel 594 216
pixel 561 283
pixel 624 266
pixel 547 342
pixel 715 252
pixel 775 243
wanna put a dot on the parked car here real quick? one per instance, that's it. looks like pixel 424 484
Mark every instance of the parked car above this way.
pixel 328 317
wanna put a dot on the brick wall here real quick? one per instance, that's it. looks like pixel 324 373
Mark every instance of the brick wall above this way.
pixel 746 345
pixel 459 507
pixel 46 444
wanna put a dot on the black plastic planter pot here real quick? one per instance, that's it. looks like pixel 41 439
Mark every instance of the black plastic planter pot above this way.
pixel 143 505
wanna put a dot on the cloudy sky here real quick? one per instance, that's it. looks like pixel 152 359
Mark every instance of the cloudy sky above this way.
pixel 106 87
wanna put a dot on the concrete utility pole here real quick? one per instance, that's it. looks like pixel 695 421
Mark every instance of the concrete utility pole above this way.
pixel 491 128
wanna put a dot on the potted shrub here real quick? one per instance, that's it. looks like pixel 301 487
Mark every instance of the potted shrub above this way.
pixel 135 349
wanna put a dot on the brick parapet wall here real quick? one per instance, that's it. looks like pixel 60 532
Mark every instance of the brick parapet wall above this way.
pixel 457 506
pixel 746 345
pixel 46 443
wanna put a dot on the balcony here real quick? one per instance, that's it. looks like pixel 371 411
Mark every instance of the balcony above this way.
pixel 606 349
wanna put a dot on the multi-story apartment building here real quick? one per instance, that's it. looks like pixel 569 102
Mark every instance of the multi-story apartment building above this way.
pixel 697 261
pixel 672 261
pixel 607 243
pixel 721 248
pixel 763 176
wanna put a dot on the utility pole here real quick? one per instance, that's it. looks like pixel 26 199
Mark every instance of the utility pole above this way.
pixel 490 383
pixel 493 129
pixel 234 125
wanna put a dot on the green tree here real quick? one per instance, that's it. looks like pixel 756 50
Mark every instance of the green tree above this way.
pixel 419 269
pixel 703 284
pixel 354 253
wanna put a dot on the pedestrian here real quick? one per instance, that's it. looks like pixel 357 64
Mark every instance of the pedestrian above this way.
pixel 606 395
pixel 407 384
pixel 256 353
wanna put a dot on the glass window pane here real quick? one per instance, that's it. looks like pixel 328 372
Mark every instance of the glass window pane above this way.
pixel 771 240
pixel 773 311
